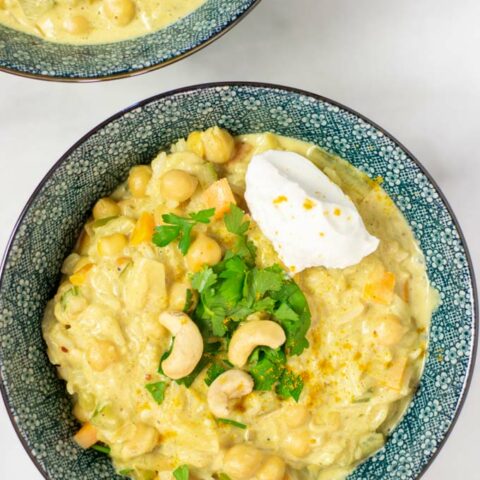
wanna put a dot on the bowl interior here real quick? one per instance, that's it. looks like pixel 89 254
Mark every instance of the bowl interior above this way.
pixel 45 234
pixel 28 55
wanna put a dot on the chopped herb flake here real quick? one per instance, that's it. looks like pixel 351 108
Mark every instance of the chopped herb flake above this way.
pixel 182 473
pixel 102 448
pixel 157 390
pixel 234 423
pixel 180 228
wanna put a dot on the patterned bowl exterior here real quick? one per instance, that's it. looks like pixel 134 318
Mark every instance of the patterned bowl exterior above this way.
pixel 31 56
pixel 46 230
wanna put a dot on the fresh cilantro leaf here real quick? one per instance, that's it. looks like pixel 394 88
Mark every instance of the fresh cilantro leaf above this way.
pixel 212 348
pixel 204 279
pixel 188 300
pixel 165 234
pixel 234 220
pixel 290 385
pixel 185 240
pixel 266 367
pixel 235 224
pixel 266 304
pixel 294 315
pixel 266 280
pixel 215 370
pixel 157 390
pixel 180 228
pixel 203 216
pixel 182 473
pixel 234 423
pixel 101 447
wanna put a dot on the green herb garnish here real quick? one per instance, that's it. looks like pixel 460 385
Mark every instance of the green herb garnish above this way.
pixel 157 390
pixel 235 224
pixel 215 370
pixel 290 385
pixel 234 423
pixel 182 473
pixel 232 290
pixel 102 448
pixel 223 476
pixel 180 228
pixel 266 366
pixel 188 300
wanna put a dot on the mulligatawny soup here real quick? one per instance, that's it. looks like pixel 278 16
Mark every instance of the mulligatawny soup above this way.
pixel 92 21
pixel 192 352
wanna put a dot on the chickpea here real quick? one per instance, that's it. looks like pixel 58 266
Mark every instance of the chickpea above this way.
pixel 295 415
pixel 111 245
pixel 272 469
pixel 203 251
pixel 195 144
pixel 297 443
pixel 101 355
pixel 241 462
pixel 387 330
pixel 138 180
pixel 77 25
pixel 178 185
pixel 105 207
pixel 218 145
pixel 120 12
pixel 178 295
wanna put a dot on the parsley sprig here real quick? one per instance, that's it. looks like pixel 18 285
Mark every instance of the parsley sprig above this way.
pixel 180 228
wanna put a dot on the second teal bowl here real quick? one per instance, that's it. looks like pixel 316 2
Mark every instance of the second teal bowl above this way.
pixel 32 57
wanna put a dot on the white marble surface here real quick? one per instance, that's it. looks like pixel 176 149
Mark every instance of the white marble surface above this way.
pixel 410 66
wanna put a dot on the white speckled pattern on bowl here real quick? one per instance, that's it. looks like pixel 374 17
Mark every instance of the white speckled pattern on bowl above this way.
pixel 31 56
pixel 37 400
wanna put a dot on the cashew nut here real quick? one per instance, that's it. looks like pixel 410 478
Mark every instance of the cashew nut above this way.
pixel 229 385
pixel 187 346
pixel 251 335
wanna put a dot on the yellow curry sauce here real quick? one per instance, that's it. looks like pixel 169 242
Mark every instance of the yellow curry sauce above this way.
pixel 368 335
pixel 92 21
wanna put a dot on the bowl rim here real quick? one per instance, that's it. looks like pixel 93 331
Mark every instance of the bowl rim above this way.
pixel 140 71
pixel 285 89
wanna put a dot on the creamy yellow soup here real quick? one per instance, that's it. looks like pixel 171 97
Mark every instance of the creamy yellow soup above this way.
pixel 92 21
pixel 366 342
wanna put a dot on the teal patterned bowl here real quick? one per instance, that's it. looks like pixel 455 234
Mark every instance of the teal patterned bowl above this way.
pixel 33 57
pixel 45 233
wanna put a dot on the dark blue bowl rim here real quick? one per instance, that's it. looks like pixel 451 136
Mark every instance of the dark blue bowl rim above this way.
pixel 285 89
pixel 140 71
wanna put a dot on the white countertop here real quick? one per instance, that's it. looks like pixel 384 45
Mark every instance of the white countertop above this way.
pixel 411 66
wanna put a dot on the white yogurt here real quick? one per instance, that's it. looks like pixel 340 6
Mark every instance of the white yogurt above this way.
pixel 306 216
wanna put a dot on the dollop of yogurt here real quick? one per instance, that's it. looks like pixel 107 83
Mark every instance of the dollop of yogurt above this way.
pixel 307 217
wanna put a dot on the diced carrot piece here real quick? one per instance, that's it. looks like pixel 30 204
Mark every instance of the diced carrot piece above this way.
pixel 79 277
pixel 86 436
pixel 143 230
pixel 380 291
pixel 394 375
pixel 219 195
